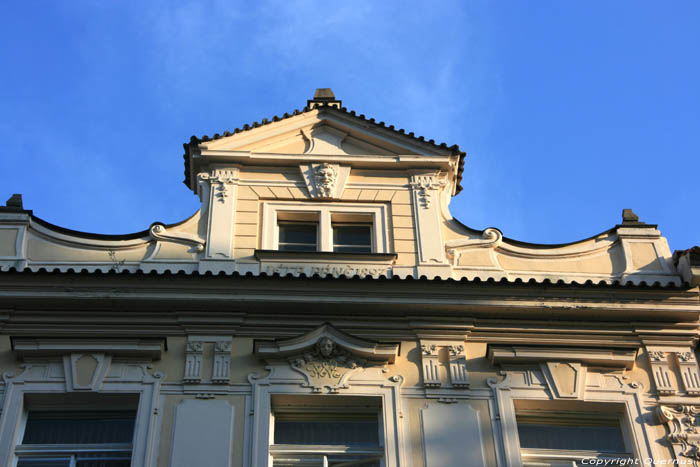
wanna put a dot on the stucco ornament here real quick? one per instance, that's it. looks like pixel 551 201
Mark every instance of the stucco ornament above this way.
pixel 685 356
pixel 490 239
pixel 326 177
pixel 683 424
pixel 657 355
pixel 425 185
pixel 220 179
pixel 325 181
pixel 160 233
pixel 326 365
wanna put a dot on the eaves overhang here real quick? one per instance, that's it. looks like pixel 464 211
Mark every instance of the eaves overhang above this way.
pixel 421 300
pixel 533 282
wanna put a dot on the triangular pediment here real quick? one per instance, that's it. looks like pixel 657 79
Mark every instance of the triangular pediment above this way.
pixel 317 133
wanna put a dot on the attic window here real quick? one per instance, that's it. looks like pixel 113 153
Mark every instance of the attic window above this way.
pixel 331 228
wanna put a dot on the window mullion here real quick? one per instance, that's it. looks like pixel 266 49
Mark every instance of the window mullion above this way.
pixel 325 231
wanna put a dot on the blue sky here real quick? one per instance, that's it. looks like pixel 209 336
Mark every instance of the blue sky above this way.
pixel 568 111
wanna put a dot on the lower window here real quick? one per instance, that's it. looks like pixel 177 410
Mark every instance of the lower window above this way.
pixel 307 432
pixel 567 438
pixel 87 437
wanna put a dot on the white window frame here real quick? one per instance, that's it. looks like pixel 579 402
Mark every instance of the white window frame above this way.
pixel 65 451
pixel 536 456
pixel 48 378
pixel 323 451
pixel 379 213
pixel 259 432
pixel 517 385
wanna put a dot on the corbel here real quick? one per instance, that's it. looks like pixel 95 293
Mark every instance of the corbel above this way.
pixel 193 361
pixel 431 365
pixel 690 376
pixel 458 366
pixel 222 362
pixel 658 360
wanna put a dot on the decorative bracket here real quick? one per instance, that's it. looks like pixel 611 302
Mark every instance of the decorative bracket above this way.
pixel 431 366
pixel 220 366
pixel 660 361
pixel 457 365
pixel 222 362
pixel 690 378
pixel 193 361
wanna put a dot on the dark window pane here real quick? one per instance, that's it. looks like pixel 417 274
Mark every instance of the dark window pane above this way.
pixel 569 437
pixel 104 463
pixel 59 427
pixel 297 236
pixel 296 247
pixel 298 233
pixel 43 462
pixel 103 459
pixel 352 249
pixel 346 432
pixel 341 460
pixel 352 238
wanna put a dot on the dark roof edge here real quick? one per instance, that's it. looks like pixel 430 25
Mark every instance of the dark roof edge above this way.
pixel 549 245
pixel 97 236
pixel 616 284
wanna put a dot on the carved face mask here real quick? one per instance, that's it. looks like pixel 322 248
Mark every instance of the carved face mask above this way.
pixel 326 347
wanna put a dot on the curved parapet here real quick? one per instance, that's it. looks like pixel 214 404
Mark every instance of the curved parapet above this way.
pixel 631 252
pixel 28 242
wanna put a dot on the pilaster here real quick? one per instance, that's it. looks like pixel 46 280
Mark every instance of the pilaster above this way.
pixel 425 197
pixel 222 187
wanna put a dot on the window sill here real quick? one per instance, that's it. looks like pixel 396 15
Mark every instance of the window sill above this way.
pixel 324 256
pixel 532 456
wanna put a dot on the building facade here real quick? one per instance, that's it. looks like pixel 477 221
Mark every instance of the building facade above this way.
pixel 324 308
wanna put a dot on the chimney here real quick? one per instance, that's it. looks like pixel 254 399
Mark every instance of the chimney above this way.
pixel 323 96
